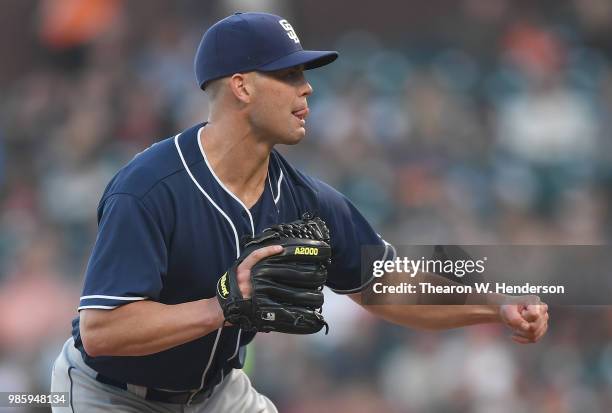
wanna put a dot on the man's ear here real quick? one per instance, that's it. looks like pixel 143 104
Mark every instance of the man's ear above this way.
pixel 241 85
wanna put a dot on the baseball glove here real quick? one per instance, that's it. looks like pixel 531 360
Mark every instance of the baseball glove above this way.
pixel 287 288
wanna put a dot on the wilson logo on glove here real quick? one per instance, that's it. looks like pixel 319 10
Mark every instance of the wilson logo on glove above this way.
pixel 222 289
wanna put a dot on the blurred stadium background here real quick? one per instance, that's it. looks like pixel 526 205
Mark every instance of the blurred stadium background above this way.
pixel 471 121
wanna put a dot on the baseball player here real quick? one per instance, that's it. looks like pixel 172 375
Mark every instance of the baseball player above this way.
pixel 152 333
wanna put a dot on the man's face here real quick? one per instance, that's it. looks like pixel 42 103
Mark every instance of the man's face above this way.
pixel 279 108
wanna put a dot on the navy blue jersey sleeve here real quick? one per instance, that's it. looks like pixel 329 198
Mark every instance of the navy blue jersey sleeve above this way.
pixel 349 231
pixel 129 256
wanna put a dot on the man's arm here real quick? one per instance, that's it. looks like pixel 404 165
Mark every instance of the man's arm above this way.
pixel 148 327
pixel 432 317
pixel 528 322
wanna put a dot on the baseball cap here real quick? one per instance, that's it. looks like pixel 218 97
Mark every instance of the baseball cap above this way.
pixel 244 42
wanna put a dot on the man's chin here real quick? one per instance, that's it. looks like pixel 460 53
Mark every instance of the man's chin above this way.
pixel 295 137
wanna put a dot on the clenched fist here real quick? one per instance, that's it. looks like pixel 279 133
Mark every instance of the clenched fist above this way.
pixel 528 321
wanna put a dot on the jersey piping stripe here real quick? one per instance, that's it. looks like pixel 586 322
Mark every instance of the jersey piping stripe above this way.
pixel 178 148
pixel 221 183
pixel 278 188
pixel 101 307
pixel 238 200
pixel 361 287
pixel 71 383
pixel 212 355
pixel 389 245
pixel 237 346
pixel 113 297
pixel 214 349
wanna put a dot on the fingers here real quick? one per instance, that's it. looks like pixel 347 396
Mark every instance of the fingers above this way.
pixel 533 312
pixel 529 338
pixel 243 272
pixel 513 319
pixel 532 336
pixel 258 255
pixel 537 315
pixel 541 330
pixel 530 314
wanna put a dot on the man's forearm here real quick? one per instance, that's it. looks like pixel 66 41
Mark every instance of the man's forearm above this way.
pixel 527 316
pixel 434 317
pixel 434 311
pixel 147 327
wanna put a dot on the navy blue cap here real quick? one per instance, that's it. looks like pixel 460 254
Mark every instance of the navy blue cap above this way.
pixel 244 42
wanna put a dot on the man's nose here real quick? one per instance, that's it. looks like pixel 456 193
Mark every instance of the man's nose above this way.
pixel 306 89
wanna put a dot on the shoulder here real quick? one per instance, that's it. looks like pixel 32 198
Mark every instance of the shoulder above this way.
pixel 147 169
pixel 142 190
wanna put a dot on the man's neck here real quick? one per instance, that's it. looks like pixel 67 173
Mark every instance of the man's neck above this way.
pixel 238 159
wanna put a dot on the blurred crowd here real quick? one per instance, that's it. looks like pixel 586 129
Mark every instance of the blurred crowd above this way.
pixel 496 129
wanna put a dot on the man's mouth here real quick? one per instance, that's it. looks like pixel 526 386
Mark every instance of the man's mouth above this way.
pixel 301 113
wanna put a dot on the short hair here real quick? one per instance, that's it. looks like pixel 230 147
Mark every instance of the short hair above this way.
pixel 213 88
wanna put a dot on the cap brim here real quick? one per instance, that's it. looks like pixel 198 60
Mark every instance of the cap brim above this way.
pixel 309 58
